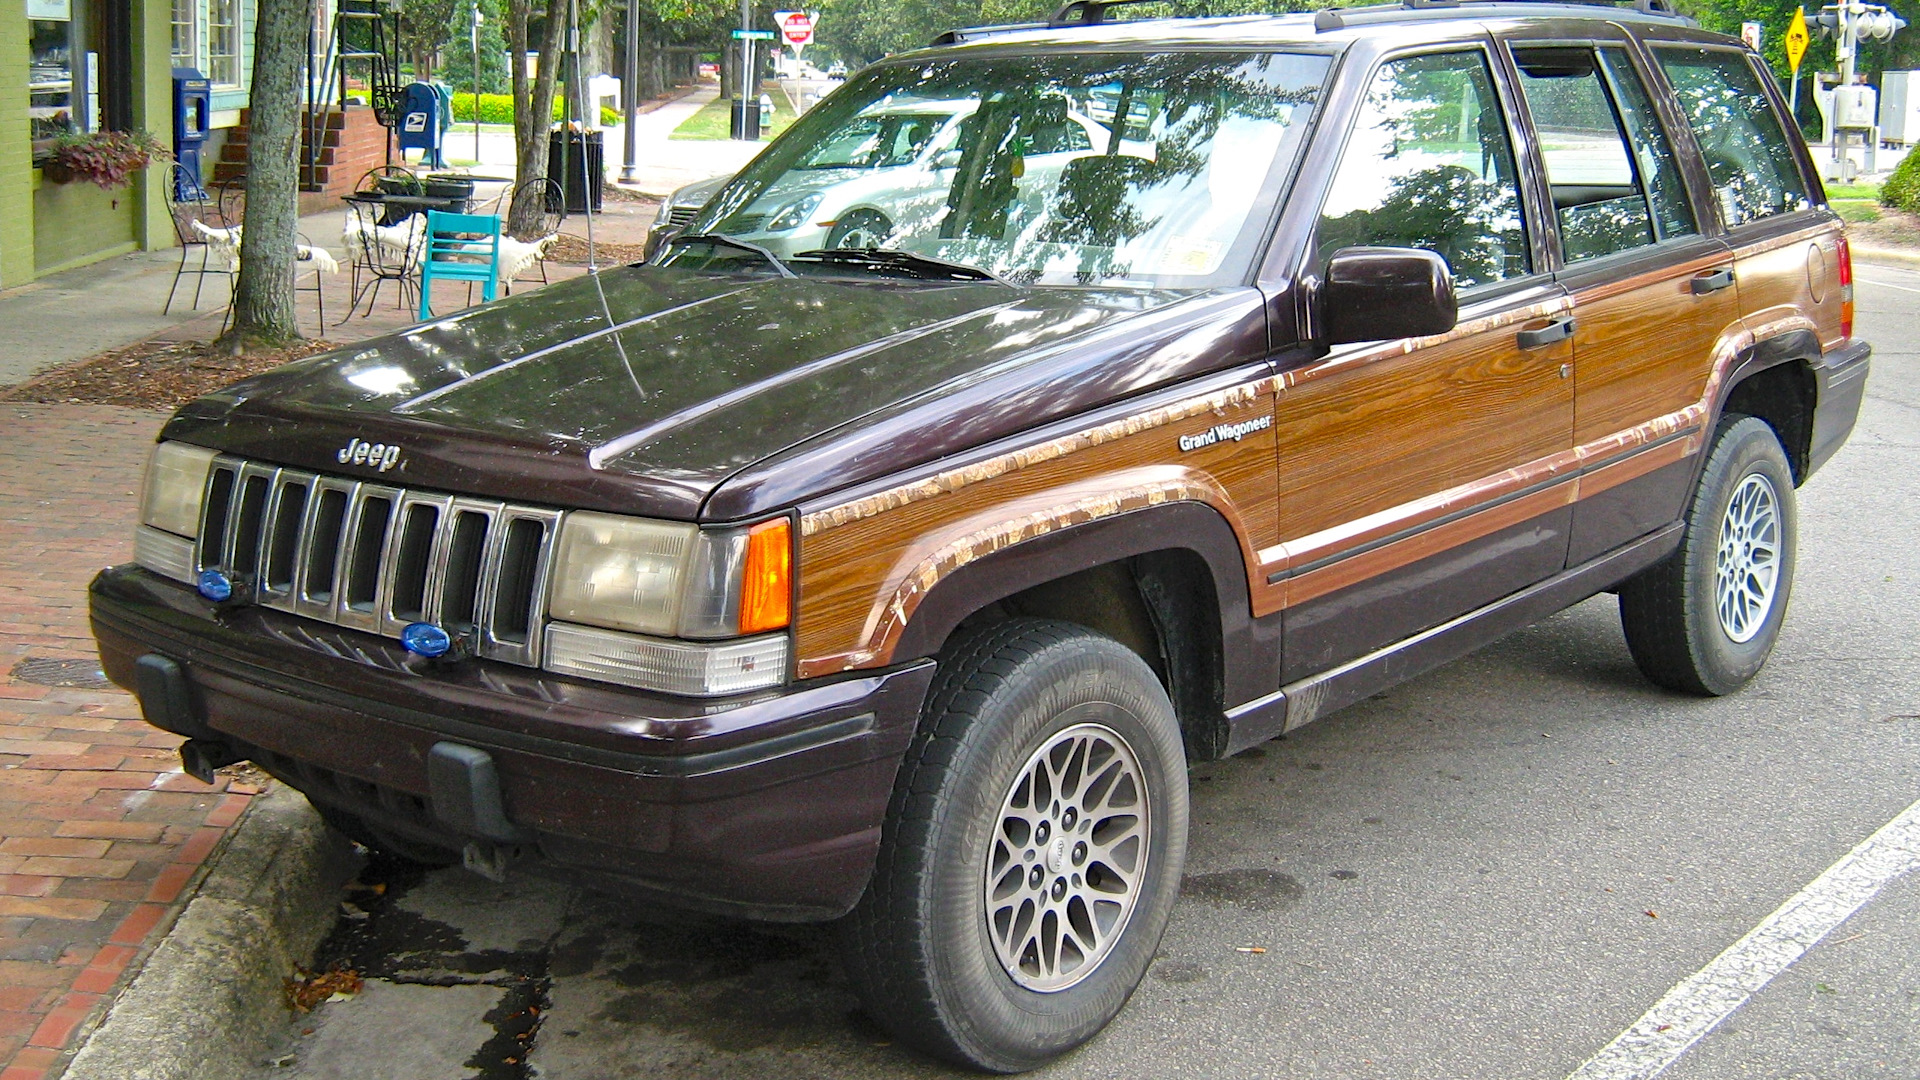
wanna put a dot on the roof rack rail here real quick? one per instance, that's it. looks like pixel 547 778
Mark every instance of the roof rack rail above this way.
pixel 1088 12
pixel 1336 18
pixel 1071 13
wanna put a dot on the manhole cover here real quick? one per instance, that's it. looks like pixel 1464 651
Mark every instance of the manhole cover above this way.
pixel 84 674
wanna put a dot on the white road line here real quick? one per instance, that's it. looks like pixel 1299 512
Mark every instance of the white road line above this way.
pixel 1885 284
pixel 1694 1007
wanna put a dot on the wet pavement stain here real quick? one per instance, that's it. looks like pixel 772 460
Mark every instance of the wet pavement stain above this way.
pixel 1253 889
pixel 400 946
pixel 735 988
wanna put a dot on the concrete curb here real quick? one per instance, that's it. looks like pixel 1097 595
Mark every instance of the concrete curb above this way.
pixel 1885 256
pixel 209 997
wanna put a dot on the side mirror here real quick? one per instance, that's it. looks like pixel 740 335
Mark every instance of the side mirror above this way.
pixel 1378 293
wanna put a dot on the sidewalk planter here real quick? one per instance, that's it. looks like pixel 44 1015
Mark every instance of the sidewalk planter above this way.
pixel 107 159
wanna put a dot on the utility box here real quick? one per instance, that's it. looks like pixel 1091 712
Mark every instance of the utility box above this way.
pixel 1853 107
pixel 1900 107
pixel 419 124
pixel 192 109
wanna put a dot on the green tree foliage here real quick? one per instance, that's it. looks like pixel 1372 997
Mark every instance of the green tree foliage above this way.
pixel 865 30
pixel 1774 16
pixel 1902 189
pixel 456 49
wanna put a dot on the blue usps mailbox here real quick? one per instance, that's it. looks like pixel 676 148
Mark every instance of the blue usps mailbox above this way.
pixel 192 108
pixel 420 127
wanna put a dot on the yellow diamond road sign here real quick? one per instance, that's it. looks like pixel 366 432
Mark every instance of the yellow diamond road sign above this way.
pixel 1797 39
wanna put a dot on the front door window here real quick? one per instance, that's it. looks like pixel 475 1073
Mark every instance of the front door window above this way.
pixel 1429 165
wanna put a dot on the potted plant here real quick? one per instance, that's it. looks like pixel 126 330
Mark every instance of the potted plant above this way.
pixel 106 158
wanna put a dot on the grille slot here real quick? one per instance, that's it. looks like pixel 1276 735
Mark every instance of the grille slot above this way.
pixel 373 557
pixel 680 216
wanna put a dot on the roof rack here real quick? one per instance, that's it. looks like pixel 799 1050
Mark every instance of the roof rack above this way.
pixel 1337 18
pixel 1071 13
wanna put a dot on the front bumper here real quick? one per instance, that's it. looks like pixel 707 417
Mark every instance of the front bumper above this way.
pixel 768 805
pixel 1840 383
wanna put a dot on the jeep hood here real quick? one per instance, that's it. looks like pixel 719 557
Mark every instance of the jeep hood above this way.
pixel 648 392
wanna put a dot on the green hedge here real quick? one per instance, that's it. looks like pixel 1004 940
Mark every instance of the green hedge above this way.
pixel 498 109
pixel 1902 190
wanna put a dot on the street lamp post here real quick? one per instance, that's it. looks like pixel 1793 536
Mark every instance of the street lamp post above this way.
pixel 630 90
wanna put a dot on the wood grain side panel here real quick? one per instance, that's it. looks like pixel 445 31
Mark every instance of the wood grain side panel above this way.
pixel 1389 557
pixel 1646 346
pixel 1369 432
pixel 1796 275
pixel 865 565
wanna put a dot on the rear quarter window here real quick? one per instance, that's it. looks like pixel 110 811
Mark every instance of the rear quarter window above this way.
pixel 1755 173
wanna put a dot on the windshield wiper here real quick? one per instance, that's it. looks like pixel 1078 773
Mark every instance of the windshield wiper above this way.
pixel 924 267
pixel 723 240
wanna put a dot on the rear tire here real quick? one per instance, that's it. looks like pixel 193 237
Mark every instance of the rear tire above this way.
pixel 1703 620
pixel 997 825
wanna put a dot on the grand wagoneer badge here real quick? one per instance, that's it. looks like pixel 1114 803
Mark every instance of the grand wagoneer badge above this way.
pixel 1227 432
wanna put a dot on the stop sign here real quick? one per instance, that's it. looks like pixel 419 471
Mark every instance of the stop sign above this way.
pixel 796 27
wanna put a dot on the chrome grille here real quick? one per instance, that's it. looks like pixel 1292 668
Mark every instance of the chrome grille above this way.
pixel 680 216
pixel 377 557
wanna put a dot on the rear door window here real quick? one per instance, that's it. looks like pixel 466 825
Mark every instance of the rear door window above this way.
pixel 1754 171
pixel 1612 175
pixel 1430 165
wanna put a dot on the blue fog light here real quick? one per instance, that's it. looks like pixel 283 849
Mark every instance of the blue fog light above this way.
pixel 215 586
pixel 426 639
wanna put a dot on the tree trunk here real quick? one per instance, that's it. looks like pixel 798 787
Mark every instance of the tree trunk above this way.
pixel 652 73
pixel 263 314
pixel 532 104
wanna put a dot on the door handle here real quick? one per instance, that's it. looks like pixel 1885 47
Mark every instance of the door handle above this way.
pixel 1712 281
pixel 1559 329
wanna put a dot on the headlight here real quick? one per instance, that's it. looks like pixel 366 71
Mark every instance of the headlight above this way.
pixel 670 578
pixel 175 486
pixel 627 593
pixel 795 214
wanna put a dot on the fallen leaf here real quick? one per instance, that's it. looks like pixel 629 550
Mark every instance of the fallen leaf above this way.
pixel 310 989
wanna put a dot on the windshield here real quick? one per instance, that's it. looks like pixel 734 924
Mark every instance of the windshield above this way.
pixel 1065 169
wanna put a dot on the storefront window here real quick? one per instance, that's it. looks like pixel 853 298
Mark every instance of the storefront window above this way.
pixel 223 42
pixel 80 67
pixel 54 27
pixel 184 53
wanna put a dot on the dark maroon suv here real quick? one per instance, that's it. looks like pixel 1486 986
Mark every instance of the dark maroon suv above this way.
pixel 1042 412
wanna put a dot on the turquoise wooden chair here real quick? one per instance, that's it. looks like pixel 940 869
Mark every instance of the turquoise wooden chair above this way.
pixel 460 247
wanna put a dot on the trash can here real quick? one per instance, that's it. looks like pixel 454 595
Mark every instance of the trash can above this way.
pixel 564 151
pixel 746 118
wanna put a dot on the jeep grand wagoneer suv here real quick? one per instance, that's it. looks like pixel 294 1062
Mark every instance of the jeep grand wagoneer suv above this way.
pixel 898 583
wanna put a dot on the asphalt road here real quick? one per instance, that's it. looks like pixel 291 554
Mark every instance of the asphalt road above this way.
pixel 1489 872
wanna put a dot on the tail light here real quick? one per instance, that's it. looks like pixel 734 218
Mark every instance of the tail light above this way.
pixel 1846 288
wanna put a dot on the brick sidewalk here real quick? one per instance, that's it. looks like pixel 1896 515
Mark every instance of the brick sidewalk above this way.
pixel 101 835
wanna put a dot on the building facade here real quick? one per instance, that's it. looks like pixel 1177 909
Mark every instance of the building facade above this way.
pixel 103 65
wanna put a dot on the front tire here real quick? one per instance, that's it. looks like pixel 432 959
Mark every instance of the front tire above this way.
pixel 1032 852
pixel 1703 620
pixel 860 229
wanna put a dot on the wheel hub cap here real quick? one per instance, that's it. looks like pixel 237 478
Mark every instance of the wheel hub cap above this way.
pixel 1747 559
pixel 1067 858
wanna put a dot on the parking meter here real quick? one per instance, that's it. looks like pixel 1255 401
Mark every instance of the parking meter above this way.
pixel 192 108
pixel 419 127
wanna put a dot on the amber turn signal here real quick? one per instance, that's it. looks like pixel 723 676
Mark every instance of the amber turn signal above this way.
pixel 766 589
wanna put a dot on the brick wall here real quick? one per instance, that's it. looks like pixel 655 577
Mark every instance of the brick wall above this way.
pixel 350 143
